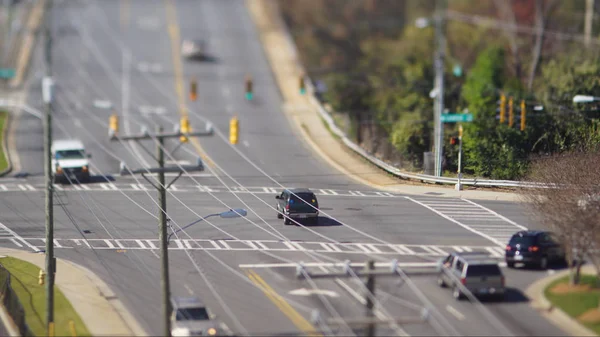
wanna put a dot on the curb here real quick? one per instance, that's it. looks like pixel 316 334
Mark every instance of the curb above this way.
pixel 36 16
pixel 103 290
pixel 5 132
pixel 555 315
pixel 110 297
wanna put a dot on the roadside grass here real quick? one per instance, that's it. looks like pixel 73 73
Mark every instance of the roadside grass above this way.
pixel 3 160
pixel 579 302
pixel 24 281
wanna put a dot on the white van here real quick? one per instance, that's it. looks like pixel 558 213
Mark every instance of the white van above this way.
pixel 70 162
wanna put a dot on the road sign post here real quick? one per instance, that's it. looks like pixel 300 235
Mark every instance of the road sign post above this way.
pixel 460 134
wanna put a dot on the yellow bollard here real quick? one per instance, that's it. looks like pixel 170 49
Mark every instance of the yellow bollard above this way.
pixel 72 328
pixel 42 277
pixel 51 329
pixel 233 130
pixel 184 127
pixel 113 122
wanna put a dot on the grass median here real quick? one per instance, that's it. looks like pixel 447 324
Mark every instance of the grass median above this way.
pixel 24 281
pixel 580 301
pixel 3 160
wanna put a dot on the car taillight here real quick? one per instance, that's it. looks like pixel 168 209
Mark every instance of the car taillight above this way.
pixel 59 169
pixel 287 207
pixel 84 169
pixel 534 248
pixel 463 281
pixel 508 248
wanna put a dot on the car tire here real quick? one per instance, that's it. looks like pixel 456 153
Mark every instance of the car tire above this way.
pixel 287 221
pixel 279 215
pixel 457 294
pixel 440 282
pixel 510 264
pixel 543 263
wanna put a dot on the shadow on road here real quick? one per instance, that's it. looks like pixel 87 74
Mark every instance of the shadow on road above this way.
pixel 511 295
pixel 321 222
pixel 204 59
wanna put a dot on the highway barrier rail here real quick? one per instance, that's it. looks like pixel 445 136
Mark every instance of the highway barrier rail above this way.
pixel 11 302
pixel 380 163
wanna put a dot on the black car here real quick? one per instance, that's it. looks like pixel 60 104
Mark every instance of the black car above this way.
pixel 535 248
pixel 297 204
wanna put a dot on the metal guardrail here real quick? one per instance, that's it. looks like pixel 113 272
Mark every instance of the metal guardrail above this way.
pixel 399 173
pixel 11 302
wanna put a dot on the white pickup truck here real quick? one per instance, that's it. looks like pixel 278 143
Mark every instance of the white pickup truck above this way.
pixel 70 163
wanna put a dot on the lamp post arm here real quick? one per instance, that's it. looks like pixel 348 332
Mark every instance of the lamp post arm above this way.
pixel 193 223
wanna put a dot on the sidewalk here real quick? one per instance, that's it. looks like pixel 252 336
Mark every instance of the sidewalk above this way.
pixel 305 119
pixel 539 302
pixel 96 304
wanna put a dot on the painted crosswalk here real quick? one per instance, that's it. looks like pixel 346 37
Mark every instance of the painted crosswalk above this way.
pixel 473 217
pixel 266 245
pixel 182 188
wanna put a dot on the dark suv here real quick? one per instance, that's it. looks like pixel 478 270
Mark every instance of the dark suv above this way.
pixel 536 248
pixel 297 204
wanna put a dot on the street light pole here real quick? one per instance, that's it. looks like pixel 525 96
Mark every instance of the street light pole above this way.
pixel 439 85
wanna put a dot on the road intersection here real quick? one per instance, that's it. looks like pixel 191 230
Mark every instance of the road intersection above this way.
pixel 240 267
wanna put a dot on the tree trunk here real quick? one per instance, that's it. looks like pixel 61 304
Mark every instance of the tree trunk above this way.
pixel 539 41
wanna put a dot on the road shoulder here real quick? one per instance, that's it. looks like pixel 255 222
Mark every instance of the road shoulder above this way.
pixel 93 300
pixel 555 315
pixel 286 67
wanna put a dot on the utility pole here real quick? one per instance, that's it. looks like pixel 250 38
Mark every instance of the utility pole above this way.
pixel 182 133
pixel 368 299
pixel 458 186
pixel 371 320
pixel 589 16
pixel 440 17
pixel 47 96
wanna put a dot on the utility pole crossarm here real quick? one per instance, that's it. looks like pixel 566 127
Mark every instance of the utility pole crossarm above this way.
pixel 162 135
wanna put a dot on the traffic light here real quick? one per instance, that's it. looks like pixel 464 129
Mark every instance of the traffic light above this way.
pixel 502 109
pixel 193 90
pixel 302 85
pixel 523 113
pixel 511 116
pixel 184 128
pixel 453 140
pixel 249 93
pixel 113 124
pixel 460 131
pixel 233 130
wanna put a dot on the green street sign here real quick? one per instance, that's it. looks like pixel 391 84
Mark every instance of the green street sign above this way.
pixel 7 73
pixel 455 118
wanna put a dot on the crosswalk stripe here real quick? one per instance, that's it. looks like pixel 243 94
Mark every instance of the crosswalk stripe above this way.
pixel 4 188
pixel 178 243
pixel 224 244
pixel 493 251
pixel 357 193
pixel 151 244
pixel 326 247
pixel 373 248
pixel 458 249
pixel 141 244
pixel 269 190
pixel 289 245
pixel 251 244
pixel 384 194
pixel 109 244
pixel 328 192
pixel 187 244
pixel 16 242
pixel 402 249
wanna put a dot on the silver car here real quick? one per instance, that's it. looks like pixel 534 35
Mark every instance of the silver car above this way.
pixel 477 272
pixel 191 318
pixel 193 49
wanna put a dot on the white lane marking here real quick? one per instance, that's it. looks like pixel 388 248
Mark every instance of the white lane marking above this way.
pixel 496 214
pixel 493 252
pixel 16 242
pixel 384 194
pixel 178 243
pixel 246 144
pixel 455 313
pixel 458 249
pixel 335 264
pixel 4 188
pixel 309 292
pixel 374 248
pixel 18 237
pixel 326 247
pixel 225 244
pixel 215 244
pixel 328 192
pixel 141 244
pixel 357 193
pixel 402 249
pixel 289 245
pixel 188 289
pixel 151 244
pixel 109 244
pixel 456 222
pixel 269 190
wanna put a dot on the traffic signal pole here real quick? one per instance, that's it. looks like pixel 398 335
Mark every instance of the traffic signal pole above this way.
pixel 439 85
pixel 183 135
pixel 460 134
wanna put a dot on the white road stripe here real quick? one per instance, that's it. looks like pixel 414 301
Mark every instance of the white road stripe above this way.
pixel 4 188
pixel 187 244
pixel 109 244
pixel 493 252
pixel 225 244
pixel 455 313
pixel 18 237
pixel 151 244
pixel 402 249
pixel 335 264
pixel 118 242
pixel 215 244
pixel 363 248
pixel 141 244
pixel 246 144
pixel 498 215
pixel 326 247
pixel 289 245
pixel 374 248
pixel 16 242
pixel 384 194
pixel 251 244
pixel 178 243
pixel 458 249
pixel 269 190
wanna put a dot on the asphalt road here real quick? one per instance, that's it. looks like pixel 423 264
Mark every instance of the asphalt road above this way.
pixel 146 82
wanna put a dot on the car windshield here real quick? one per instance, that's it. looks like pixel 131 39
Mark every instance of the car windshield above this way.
pixel 70 154
pixel 192 314
pixel 484 270
pixel 524 241
pixel 308 197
